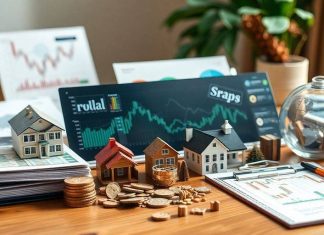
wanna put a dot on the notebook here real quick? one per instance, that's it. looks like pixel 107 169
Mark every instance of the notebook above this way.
pixel 290 195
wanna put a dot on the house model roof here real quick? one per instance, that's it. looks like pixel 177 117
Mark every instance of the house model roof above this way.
pixel 201 139
pixel 156 146
pixel 28 116
pixel 113 152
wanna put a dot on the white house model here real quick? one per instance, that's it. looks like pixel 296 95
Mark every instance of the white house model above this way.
pixel 212 151
pixel 35 135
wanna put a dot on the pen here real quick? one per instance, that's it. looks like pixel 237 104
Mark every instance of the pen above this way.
pixel 312 168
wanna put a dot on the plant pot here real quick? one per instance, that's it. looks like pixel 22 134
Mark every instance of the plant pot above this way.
pixel 284 77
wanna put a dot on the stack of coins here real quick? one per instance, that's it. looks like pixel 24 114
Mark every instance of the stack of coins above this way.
pixel 79 191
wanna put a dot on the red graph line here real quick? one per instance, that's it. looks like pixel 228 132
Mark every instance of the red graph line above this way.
pixel 27 85
pixel 41 68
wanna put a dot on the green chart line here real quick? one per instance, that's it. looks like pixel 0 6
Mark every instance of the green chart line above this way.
pixel 99 137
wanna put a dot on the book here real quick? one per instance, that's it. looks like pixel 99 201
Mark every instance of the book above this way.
pixel 37 178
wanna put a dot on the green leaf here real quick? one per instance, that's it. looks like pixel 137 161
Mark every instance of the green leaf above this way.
pixel 229 19
pixel 305 16
pixel 276 24
pixel 189 32
pixel 198 2
pixel 249 11
pixel 278 7
pixel 184 50
pixel 207 21
pixel 184 13
pixel 230 42
pixel 214 43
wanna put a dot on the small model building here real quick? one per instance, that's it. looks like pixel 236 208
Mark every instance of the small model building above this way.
pixel 115 163
pixel 159 153
pixel 34 134
pixel 212 151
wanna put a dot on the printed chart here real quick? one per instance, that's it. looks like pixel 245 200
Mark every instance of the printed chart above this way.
pixel 161 109
pixel 164 70
pixel 36 63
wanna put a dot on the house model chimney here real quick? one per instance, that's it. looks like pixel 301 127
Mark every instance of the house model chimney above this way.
pixel 112 142
pixel 227 128
pixel 189 132
pixel 29 112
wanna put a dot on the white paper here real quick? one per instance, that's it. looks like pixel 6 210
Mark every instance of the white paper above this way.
pixel 35 63
pixel 148 71
pixel 8 109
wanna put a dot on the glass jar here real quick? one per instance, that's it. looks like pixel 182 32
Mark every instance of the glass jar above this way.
pixel 302 120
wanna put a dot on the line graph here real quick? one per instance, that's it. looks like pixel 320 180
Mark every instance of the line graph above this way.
pixel 98 137
pixel 28 85
pixel 41 67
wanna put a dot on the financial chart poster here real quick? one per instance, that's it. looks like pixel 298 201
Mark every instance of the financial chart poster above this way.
pixel 136 113
pixel 35 63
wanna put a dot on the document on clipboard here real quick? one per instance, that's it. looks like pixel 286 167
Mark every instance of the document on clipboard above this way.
pixel 289 194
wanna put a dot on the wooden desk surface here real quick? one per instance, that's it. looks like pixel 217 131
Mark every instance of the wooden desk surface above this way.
pixel 234 217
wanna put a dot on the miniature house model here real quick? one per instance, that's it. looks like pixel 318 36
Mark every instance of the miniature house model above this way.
pixel 34 134
pixel 212 151
pixel 114 163
pixel 159 153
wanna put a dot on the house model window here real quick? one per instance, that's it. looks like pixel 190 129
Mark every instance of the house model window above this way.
pixel 207 158
pixel 41 136
pixel 170 161
pixel 120 171
pixel 165 151
pixel 214 157
pixel 159 161
pixel 214 144
pixel 29 138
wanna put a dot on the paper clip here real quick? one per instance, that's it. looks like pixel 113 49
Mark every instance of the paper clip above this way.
pixel 259 164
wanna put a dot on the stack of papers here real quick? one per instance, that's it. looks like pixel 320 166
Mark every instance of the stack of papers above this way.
pixel 34 179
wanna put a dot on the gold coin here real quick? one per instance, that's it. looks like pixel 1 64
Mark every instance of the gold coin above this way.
pixel 158 202
pixel 133 200
pixel 110 204
pixel 72 204
pixel 79 195
pixel 142 186
pixel 165 193
pixel 78 181
pixel 112 190
pixel 160 216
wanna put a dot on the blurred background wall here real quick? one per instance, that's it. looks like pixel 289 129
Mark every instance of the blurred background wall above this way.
pixel 118 31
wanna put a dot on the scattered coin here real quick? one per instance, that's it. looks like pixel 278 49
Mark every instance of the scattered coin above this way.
pixel 142 186
pixel 132 190
pixel 112 190
pixel 110 204
pixel 160 216
pixel 102 200
pixel 126 195
pixel 202 189
pixel 133 200
pixel 165 193
pixel 158 202
pixel 149 191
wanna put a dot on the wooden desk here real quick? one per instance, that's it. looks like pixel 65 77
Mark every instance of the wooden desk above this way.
pixel 234 217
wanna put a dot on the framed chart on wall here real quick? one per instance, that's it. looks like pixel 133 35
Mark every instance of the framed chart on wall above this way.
pixel 136 113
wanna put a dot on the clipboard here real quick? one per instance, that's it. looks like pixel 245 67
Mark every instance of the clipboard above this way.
pixel 294 198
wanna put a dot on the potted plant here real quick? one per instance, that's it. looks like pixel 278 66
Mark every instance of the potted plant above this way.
pixel 277 27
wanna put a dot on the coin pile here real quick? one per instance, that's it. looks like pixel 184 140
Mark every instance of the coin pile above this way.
pixel 79 191
pixel 144 195
pixel 186 194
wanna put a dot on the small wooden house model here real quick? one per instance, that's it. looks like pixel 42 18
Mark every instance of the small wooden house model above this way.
pixel 159 153
pixel 34 134
pixel 115 163
pixel 212 151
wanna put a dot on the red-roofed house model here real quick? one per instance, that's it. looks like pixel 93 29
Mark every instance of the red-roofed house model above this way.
pixel 115 163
